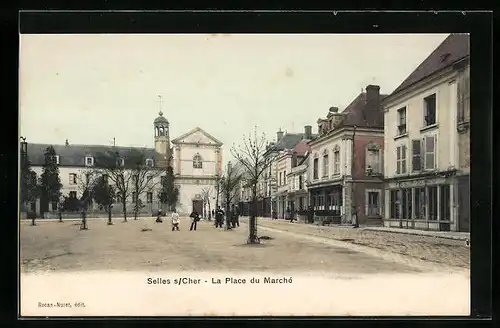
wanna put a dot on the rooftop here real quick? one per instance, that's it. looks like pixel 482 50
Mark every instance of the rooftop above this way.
pixel 74 155
pixel 453 49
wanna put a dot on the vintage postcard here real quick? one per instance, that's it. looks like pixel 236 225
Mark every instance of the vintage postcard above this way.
pixel 244 175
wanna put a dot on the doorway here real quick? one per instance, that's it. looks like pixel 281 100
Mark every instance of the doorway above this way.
pixel 198 206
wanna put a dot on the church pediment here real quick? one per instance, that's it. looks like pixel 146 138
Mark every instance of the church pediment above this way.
pixel 197 136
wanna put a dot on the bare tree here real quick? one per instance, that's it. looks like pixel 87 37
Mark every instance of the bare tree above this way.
pixel 251 157
pixel 229 183
pixel 144 177
pixel 117 169
pixel 206 194
pixel 86 179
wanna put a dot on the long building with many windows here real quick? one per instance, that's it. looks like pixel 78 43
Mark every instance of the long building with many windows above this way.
pixel 196 158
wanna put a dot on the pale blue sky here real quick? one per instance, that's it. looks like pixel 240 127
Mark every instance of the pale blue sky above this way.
pixel 91 88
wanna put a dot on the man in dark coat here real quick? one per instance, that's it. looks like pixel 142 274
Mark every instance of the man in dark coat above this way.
pixel 194 220
pixel 219 217
pixel 236 216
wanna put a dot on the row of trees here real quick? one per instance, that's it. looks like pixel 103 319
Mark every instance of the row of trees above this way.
pixel 132 177
pixel 114 179
pixel 253 161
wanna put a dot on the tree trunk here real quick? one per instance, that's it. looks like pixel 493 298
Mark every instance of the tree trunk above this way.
pixel 135 212
pixel 252 226
pixel 227 215
pixel 209 211
pixel 124 206
pixel 110 221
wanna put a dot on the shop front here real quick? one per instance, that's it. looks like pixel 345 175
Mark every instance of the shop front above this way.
pixel 423 204
pixel 327 204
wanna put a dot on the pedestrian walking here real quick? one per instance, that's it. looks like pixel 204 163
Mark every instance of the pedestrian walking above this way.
pixel 236 216
pixel 194 220
pixel 310 214
pixel 219 217
pixel 175 221
pixel 158 217
pixel 292 215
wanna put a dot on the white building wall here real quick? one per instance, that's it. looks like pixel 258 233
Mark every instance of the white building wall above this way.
pixel 327 146
pixel 445 130
pixel 189 191
pixel 208 155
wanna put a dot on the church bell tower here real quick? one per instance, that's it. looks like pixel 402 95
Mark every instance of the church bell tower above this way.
pixel 162 141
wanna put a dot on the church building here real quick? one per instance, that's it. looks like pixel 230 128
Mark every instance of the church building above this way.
pixel 195 156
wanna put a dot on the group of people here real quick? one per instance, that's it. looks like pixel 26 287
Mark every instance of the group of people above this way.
pixel 232 217
pixel 195 217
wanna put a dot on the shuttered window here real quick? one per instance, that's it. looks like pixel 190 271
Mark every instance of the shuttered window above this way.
pixel 416 153
pixel 430 152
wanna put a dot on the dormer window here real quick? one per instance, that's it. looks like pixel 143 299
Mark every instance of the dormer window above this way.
pixel 149 162
pixel 89 161
pixel 56 159
pixel 121 161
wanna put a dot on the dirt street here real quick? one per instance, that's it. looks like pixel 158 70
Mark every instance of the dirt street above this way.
pixel 54 246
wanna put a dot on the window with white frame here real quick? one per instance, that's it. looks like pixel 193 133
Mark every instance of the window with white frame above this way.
pixel 315 169
pixel 134 197
pixel 463 95
pixel 89 161
pixel 373 202
pixel 284 177
pixel 72 179
pixel 401 159
pixel 325 166
pixel 416 151
pixel 56 159
pixel 149 162
pixel 149 197
pixel 197 161
pixel 430 110
pixel 373 159
pixel 336 162
pixel 402 121
pixel 301 181
pixel 429 152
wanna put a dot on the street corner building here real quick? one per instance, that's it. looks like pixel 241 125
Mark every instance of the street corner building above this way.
pixel 345 178
pixel 195 157
pixel 426 158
